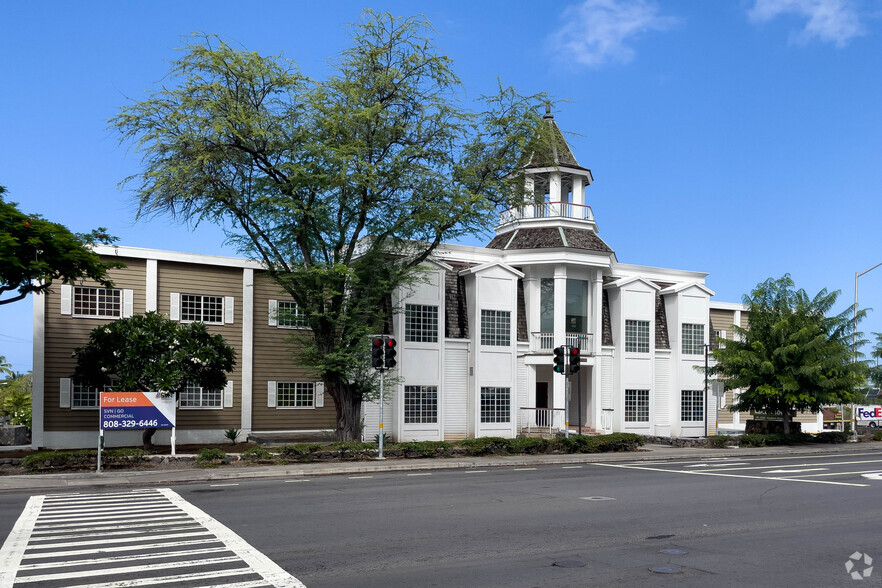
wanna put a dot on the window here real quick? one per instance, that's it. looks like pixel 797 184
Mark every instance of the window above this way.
pixel 206 309
pixel 420 323
pixel 197 397
pixel 636 406
pixel 495 405
pixel 97 302
pixel 693 339
pixel 692 405
pixel 719 339
pixel 83 396
pixel 290 315
pixel 421 404
pixel 295 394
pixel 496 327
pixel 636 336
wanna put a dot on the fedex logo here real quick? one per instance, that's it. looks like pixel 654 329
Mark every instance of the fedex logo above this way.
pixel 869 413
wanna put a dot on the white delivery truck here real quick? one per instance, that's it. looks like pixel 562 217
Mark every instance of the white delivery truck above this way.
pixel 869 416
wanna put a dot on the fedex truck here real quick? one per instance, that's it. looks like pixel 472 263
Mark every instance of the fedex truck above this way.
pixel 869 416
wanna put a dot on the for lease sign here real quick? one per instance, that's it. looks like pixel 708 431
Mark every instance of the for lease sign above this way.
pixel 137 410
pixel 868 413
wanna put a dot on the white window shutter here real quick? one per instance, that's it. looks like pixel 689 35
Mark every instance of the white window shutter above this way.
pixel 128 303
pixel 271 394
pixel 274 313
pixel 66 298
pixel 174 310
pixel 64 393
pixel 228 394
pixel 319 394
pixel 229 305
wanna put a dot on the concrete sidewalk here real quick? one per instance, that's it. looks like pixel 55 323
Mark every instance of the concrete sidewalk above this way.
pixel 191 474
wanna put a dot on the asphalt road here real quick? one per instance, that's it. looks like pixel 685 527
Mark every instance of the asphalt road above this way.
pixel 757 521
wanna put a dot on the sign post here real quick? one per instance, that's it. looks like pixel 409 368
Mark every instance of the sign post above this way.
pixel 135 410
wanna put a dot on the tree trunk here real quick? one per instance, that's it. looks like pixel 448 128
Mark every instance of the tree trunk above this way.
pixel 348 403
pixel 786 420
pixel 147 438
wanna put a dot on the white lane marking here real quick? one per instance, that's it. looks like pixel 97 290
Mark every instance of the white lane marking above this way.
pixel 873 476
pixel 294 481
pixel 421 474
pixel 123 558
pixel 14 547
pixel 117 541
pixel 746 458
pixel 177 579
pixel 268 569
pixel 799 465
pixel 201 542
pixel 360 477
pixel 523 469
pixel 220 485
pixel 834 474
pixel 596 498
pixel 720 464
pixel 130 569
pixel 571 467
pixel 718 473
pixel 476 471
pixel 796 471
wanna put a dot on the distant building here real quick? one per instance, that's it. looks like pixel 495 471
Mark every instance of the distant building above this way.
pixel 475 337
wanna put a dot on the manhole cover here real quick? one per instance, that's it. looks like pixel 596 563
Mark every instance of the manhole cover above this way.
pixel 673 551
pixel 569 563
pixel 666 569
pixel 660 537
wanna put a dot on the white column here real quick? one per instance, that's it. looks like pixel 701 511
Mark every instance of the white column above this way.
pixel 560 329
pixel 38 392
pixel 151 285
pixel 597 330
pixel 247 389
pixel 578 190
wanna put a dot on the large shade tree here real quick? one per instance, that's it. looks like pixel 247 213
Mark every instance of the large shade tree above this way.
pixel 151 352
pixel 35 253
pixel 795 355
pixel 342 187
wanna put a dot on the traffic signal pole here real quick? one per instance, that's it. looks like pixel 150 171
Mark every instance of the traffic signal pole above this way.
pixel 382 358
pixel 381 435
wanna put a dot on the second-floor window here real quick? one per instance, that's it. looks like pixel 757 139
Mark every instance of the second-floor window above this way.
pixel 291 316
pixel 97 302
pixel 637 336
pixel 420 323
pixel 693 339
pixel 496 327
pixel 206 309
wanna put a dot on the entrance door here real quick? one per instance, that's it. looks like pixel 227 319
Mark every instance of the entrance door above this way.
pixel 542 416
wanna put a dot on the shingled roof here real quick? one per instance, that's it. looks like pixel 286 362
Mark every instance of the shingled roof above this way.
pixel 555 153
pixel 549 237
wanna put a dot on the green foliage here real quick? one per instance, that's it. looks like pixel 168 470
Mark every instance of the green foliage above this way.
pixel 752 440
pixel 794 357
pixel 5 368
pixel 300 451
pixel 423 448
pixel 529 445
pixel 775 439
pixel 232 434
pixel 257 453
pixel 151 352
pixel 16 398
pixel 720 441
pixel 35 253
pixel 82 459
pixel 342 187
pixel 877 435
pixel 831 437
pixel 209 457
pixel 600 443
pixel 485 446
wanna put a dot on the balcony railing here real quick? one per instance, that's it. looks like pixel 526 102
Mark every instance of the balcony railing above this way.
pixel 548 210
pixel 541 420
pixel 545 341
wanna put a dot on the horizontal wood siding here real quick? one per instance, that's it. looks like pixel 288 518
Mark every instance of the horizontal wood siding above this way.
pixel 64 333
pixel 275 360
pixel 723 321
pixel 188 278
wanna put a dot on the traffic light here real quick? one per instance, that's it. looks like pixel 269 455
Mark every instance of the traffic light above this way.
pixel 390 353
pixel 378 345
pixel 560 360
pixel 575 359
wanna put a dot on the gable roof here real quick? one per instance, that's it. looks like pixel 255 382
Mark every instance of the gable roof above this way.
pixel 548 238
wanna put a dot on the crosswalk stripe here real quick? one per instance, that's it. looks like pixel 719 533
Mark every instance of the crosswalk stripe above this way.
pixel 120 540
pixel 154 513
pixel 169 519
pixel 92 508
pixel 118 549
pixel 125 570
pixel 14 547
pixel 123 558
pixel 169 579
pixel 77 534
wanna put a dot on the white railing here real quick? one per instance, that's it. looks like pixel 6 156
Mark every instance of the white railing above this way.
pixel 540 420
pixel 548 210
pixel 545 341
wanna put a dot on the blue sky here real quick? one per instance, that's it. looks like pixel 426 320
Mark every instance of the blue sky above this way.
pixel 737 137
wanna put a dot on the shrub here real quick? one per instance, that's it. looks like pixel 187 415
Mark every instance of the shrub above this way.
pixel 423 448
pixel 486 446
pixel 232 434
pixel 529 445
pixel 210 457
pixel 300 451
pixel 831 437
pixel 82 459
pixel 257 454
pixel 752 440
pixel 877 435
pixel 719 441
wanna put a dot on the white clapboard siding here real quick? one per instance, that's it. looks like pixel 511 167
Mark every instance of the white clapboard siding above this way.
pixel 456 382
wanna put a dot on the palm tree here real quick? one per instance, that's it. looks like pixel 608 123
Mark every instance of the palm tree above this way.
pixel 877 349
pixel 5 368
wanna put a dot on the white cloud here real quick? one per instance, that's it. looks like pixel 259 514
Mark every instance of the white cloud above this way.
pixel 599 31
pixel 833 21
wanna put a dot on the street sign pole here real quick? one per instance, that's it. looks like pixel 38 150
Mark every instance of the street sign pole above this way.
pixel 100 446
